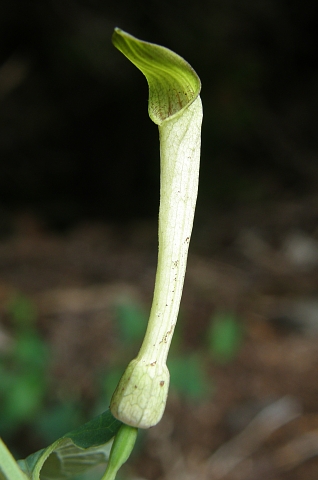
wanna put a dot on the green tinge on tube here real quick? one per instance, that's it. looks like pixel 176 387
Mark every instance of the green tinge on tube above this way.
pixel 175 106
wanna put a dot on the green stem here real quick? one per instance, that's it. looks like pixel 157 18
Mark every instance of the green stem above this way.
pixel 121 449
pixel 8 465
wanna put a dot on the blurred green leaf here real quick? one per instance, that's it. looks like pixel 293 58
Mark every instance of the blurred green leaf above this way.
pixel 30 351
pixel 22 311
pixel 187 376
pixel 107 382
pixel 224 336
pixel 132 321
pixel 23 379
pixel 52 422
pixel 25 397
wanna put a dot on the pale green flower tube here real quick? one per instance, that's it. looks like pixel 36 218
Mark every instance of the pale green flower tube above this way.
pixel 175 105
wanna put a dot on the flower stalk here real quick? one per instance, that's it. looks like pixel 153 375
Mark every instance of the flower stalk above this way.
pixel 175 105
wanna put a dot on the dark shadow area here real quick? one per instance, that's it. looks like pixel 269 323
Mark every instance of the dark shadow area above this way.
pixel 75 138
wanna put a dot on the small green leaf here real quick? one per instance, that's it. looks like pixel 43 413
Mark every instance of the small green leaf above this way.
pixel 75 452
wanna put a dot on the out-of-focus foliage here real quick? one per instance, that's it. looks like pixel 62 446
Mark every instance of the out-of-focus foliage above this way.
pixel 61 83
pixel 23 368
pixel 188 377
pixel 225 336
pixel 26 392
pixel 132 322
